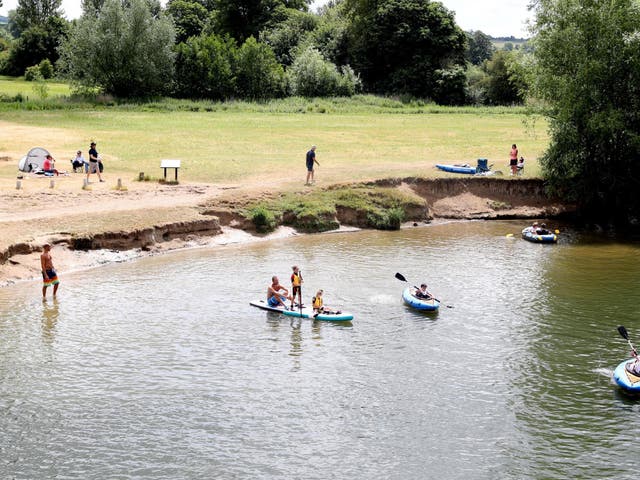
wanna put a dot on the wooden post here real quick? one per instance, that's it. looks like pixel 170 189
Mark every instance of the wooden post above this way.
pixel 52 183
pixel 119 184
pixel 18 184
pixel 85 183
pixel 141 176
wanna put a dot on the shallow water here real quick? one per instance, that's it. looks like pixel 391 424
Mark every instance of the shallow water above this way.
pixel 159 368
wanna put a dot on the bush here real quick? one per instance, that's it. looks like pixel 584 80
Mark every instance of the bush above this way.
pixel 259 75
pixel 313 76
pixel 32 74
pixel 263 219
pixel 46 68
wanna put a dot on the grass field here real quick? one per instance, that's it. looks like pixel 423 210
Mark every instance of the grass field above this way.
pixel 232 146
pixel 12 86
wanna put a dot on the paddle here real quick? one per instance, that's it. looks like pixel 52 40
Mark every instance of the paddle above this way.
pixel 623 332
pixel 300 292
pixel 400 277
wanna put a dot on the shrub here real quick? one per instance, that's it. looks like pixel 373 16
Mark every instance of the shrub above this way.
pixel 311 75
pixel 32 74
pixel 262 218
pixel 46 68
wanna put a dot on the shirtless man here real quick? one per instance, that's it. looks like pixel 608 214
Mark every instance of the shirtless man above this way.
pixel 49 276
pixel 274 297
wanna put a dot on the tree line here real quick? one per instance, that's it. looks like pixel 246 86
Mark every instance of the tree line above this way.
pixel 260 49
pixel 580 69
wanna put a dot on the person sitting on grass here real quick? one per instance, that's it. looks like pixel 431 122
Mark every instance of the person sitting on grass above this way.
pixel 274 296
pixel 48 166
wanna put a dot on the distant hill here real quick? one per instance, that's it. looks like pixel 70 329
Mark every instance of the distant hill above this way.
pixel 516 43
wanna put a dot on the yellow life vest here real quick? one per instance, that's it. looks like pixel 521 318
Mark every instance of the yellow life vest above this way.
pixel 295 280
pixel 317 302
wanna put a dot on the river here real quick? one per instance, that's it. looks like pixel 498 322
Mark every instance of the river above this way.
pixel 160 368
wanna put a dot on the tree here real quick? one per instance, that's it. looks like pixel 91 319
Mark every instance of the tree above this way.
pixel 258 73
pixel 124 50
pixel 35 13
pixel 480 47
pixel 587 66
pixel 37 43
pixel 504 84
pixel 189 18
pixel 311 75
pixel 247 18
pixel 204 67
pixel 286 35
pixel 406 46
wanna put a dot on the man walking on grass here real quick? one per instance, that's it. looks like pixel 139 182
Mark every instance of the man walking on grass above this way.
pixel 311 159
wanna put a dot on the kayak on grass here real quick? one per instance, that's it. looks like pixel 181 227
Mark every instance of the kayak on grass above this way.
pixel 625 379
pixel 307 312
pixel 534 237
pixel 419 303
pixel 466 168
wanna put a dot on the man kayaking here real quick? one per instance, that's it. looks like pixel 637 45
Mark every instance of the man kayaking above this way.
pixel 422 293
pixel 274 297
pixel 633 367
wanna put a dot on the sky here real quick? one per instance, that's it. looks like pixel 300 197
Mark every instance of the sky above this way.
pixel 498 18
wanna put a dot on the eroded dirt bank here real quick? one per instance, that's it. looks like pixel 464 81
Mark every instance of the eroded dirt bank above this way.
pixel 118 226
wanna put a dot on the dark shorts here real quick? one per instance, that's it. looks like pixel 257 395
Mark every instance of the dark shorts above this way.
pixel 513 162
pixel 296 290
pixel 309 167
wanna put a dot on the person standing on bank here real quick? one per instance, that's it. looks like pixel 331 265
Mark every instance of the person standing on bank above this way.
pixel 513 159
pixel 94 166
pixel 49 276
pixel 311 159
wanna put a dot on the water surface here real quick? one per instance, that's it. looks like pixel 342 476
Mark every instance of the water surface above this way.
pixel 159 368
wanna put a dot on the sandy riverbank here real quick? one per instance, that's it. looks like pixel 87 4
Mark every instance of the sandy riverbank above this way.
pixel 148 218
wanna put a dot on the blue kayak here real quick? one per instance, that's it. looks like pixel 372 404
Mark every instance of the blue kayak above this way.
pixel 530 236
pixel 419 303
pixel 457 169
pixel 307 312
pixel 625 379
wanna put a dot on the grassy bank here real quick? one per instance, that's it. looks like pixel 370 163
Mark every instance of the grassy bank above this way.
pixel 238 142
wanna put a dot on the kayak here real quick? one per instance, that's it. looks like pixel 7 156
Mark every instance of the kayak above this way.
pixel 307 312
pixel 458 169
pixel 265 306
pixel 626 380
pixel 419 303
pixel 527 234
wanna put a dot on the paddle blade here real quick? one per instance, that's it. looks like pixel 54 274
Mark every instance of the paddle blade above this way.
pixel 509 235
pixel 400 277
pixel 623 332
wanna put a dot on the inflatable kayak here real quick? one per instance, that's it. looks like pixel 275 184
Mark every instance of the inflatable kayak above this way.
pixel 419 303
pixel 469 170
pixel 527 234
pixel 625 379
pixel 307 312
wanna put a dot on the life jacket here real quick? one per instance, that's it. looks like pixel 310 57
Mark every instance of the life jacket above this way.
pixel 295 279
pixel 317 302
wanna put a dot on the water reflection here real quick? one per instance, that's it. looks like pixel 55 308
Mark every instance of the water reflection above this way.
pixel 50 316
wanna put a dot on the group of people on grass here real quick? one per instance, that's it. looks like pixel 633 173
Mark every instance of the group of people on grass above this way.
pixel 93 165
pixel 278 295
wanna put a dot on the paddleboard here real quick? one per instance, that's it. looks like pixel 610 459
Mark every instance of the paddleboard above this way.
pixel 307 312
pixel 265 306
